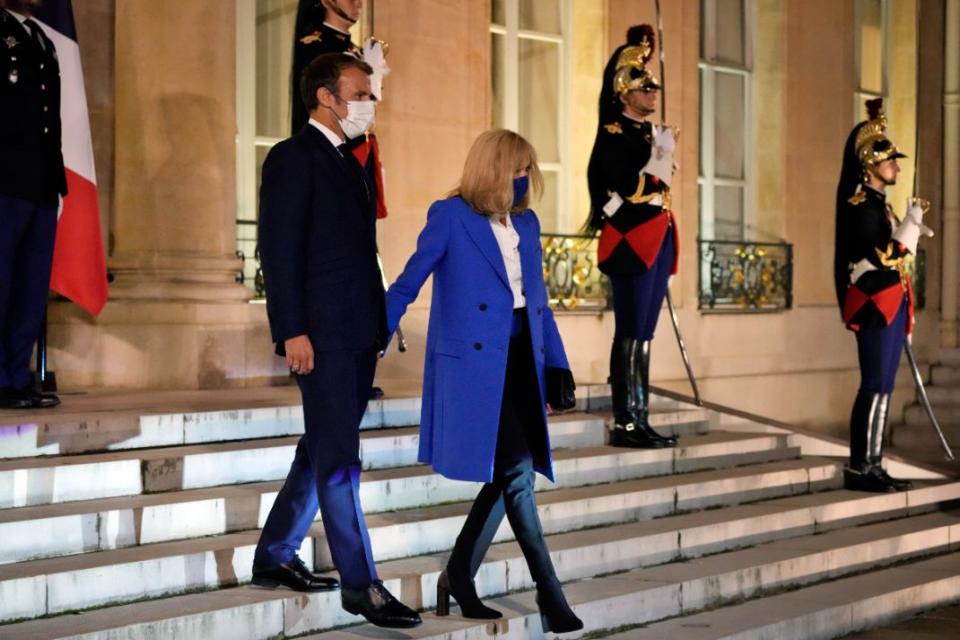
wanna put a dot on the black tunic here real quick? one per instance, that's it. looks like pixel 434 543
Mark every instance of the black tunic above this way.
pixel 31 160
pixel 865 230
pixel 313 38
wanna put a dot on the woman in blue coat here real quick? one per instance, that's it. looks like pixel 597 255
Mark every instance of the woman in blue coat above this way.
pixel 491 339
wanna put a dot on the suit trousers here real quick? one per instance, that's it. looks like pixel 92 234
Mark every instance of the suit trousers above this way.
pixel 325 474
pixel 512 491
pixel 637 298
pixel 879 352
pixel 26 258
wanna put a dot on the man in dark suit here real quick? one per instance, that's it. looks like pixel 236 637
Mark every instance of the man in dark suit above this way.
pixel 32 179
pixel 325 301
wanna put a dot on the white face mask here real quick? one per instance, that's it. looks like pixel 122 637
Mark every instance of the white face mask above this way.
pixel 360 114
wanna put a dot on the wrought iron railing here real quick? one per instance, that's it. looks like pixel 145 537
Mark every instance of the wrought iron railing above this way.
pixel 570 272
pixel 917 270
pixel 250 273
pixel 745 277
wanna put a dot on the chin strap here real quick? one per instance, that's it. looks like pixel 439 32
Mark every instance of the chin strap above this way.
pixel 333 6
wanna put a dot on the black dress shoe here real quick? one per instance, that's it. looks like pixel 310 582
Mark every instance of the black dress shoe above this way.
pixel 13 399
pixel 869 477
pixel 379 607
pixel 40 400
pixel 637 437
pixel 376 393
pixel 897 483
pixel 293 575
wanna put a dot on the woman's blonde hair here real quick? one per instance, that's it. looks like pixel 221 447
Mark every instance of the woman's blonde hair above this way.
pixel 492 162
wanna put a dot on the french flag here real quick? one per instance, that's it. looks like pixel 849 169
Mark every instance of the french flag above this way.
pixel 79 264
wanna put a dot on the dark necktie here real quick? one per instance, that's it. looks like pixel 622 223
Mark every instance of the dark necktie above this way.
pixel 34 30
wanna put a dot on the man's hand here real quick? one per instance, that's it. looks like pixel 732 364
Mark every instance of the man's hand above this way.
pixel 299 354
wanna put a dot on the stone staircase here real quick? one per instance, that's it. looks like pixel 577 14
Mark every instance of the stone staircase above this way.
pixel 137 518
pixel 916 438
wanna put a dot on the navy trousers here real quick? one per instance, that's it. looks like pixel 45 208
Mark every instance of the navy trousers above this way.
pixel 879 352
pixel 511 493
pixel 325 474
pixel 637 298
pixel 27 232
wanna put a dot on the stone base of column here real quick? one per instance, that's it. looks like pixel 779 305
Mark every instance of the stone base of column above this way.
pixel 949 334
pixel 176 276
pixel 163 345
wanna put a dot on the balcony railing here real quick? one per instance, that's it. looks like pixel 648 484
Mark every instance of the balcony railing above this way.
pixel 570 272
pixel 745 277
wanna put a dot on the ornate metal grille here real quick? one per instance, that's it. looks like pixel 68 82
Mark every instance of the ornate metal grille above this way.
pixel 745 277
pixel 917 270
pixel 250 274
pixel 570 272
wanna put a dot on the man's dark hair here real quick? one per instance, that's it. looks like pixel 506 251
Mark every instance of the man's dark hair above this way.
pixel 324 71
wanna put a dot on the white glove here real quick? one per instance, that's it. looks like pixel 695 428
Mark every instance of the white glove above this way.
pixel 374 56
pixel 908 232
pixel 660 163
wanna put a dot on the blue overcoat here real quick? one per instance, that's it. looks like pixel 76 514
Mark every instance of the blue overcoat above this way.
pixel 469 334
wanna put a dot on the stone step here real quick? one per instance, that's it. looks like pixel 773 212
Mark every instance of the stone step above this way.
pixel 823 611
pixel 54 479
pixel 112 421
pixel 916 416
pixel 930 625
pixel 949 357
pixel 629 598
pixel 50 586
pixel 944 396
pixel 112 523
pixel 941 376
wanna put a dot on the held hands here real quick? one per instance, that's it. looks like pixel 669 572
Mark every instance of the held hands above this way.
pixel 299 354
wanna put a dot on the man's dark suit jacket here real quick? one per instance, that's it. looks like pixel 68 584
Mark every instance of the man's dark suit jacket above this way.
pixel 318 246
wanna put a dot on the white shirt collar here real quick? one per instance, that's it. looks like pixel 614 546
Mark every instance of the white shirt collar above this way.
pixel 22 18
pixel 334 139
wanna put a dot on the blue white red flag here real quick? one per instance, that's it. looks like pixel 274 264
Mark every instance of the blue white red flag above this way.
pixel 79 263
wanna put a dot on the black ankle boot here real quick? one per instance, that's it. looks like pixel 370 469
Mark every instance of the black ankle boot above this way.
pixel 465 593
pixel 555 614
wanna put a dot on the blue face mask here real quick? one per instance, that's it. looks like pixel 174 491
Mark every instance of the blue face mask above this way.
pixel 520 186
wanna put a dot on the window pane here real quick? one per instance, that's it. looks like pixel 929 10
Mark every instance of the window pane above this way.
pixel 539 88
pixel 547 206
pixel 498 13
pixel 870 36
pixel 728 213
pixel 730 31
pixel 540 15
pixel 703 28
pixel 704 111
pixel 274 45
pixel 497 77
pixel 729 132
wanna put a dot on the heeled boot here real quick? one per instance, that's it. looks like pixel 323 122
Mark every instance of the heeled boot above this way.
pixel 861 474
pixel 465 593
pixel 641 377
pixel 521 508
pixel 878 428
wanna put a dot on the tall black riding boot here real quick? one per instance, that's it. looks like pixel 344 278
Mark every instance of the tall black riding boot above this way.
pixel 621 391
pixel 626 388
pixel 641 362
pixel 878 430
pixel 861 474
pixel 521 507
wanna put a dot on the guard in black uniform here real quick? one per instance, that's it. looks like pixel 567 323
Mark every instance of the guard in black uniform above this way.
pixel 873 289
pixel 629 178
pixel 32 179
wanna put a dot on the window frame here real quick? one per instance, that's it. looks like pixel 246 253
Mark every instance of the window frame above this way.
pixel 860 95
pixel 510 113
pixel 709 67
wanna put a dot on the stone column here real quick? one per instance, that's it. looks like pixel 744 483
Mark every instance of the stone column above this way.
pixel 951 168
pixel 175 196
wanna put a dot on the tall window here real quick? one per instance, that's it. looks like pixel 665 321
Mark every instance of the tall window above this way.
pixel 872 35
pixel 264 56
pixel 726 166
pixel 529 42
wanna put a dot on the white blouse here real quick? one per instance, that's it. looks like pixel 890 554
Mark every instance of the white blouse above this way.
pixel 509 241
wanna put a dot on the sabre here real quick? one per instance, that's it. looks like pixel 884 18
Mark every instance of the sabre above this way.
pixel 673 312
pixel 924 400
pixel 401 341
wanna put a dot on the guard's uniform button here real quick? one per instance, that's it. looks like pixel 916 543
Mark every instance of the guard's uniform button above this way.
pixel 483 306
pixel 477 346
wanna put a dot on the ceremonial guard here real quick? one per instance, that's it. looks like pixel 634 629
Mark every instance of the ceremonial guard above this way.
pixel 873 288
pixel 32 179
pixel 629 179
